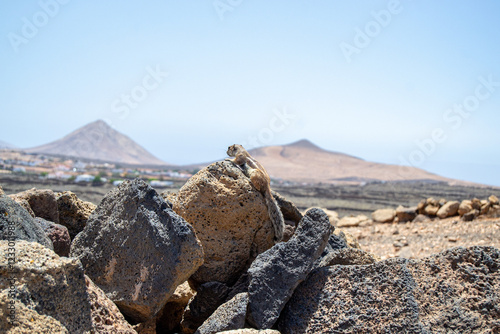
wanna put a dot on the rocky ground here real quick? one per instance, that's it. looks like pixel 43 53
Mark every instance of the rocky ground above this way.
pixel 204 260
pixel 421 239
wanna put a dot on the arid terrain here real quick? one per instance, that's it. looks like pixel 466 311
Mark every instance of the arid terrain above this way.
pixel 410 240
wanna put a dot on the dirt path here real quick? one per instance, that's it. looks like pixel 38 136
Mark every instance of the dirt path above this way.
pixel 417 240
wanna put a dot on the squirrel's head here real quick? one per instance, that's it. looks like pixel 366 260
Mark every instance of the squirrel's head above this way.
pixel 233 149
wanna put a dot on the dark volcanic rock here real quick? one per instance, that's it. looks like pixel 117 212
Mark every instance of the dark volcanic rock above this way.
pixel 455 291
pixel 58 234
pixel 230 315
pixel 42 202
pixel 289 210
pixel 137 250
pixel 17 224
pixel 207 299
pixel 275 274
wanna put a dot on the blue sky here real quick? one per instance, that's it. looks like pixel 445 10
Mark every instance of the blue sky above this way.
pixel 401 82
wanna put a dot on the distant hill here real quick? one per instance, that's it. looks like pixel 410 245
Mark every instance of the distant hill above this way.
pixel 5 145
pixel 304 162
pixel 98 141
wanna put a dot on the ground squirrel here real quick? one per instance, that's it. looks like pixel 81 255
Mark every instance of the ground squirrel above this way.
pixel 261 181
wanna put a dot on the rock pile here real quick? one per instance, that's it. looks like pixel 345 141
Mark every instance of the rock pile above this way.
pixel 467 209
pixel 205 262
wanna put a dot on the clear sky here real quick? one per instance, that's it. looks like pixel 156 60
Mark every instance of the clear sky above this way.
pixel 401 82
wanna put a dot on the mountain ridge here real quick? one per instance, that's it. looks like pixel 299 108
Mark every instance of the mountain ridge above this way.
pixel 98 141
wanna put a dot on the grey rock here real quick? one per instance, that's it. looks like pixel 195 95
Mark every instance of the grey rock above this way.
pixel 208 298
pixel 228 316
pixel 276 273
pixel 58 234
pixel 137 250
pixel 17 224
pixel 44 287
pixel 289 210
pixel 454 291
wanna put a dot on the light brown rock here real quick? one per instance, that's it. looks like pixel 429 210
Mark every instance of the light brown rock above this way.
pixel 476 203
pixel 351 221
pixel 230 218
pixel 449 209
pixel 493 200
pixel 48 286
pixel 465 207
pixel 73 212
pixel 42 202
pixel 106 317
pixel 27 320
pixel 384 215
pixel 170 317
pixel 431 210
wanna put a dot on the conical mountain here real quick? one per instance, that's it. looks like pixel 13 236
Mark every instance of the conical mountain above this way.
pixel 98 141
pixel 303 161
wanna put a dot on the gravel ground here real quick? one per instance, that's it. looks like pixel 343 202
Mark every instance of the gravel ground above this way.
pixel 417 240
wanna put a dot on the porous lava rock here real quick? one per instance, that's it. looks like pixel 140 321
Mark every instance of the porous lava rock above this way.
pixel 137 250
pixel 17 224
pixel 276 273
pixel 73 212
pixel 230 218
pixel 58 234
pixel 42 201
pixel 456 290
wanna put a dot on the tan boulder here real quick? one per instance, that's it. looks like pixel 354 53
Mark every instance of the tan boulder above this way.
pixel 170 317
pixel 47 286
pixel 230 218
pixel 106 317
pixel 493 200
pixel 42 202
pixel 449 209
pixel 431 210
pixel 476 203
pixel 73 212
pixel 351 221
pixel 464 207
pixel 383 215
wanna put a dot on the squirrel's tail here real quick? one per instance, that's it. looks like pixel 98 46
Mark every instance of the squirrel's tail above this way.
pixel 276 216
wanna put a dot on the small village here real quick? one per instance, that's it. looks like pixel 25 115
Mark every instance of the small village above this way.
pixel 74 170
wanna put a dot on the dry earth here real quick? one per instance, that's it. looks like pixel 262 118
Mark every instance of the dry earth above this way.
pixel 417 240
